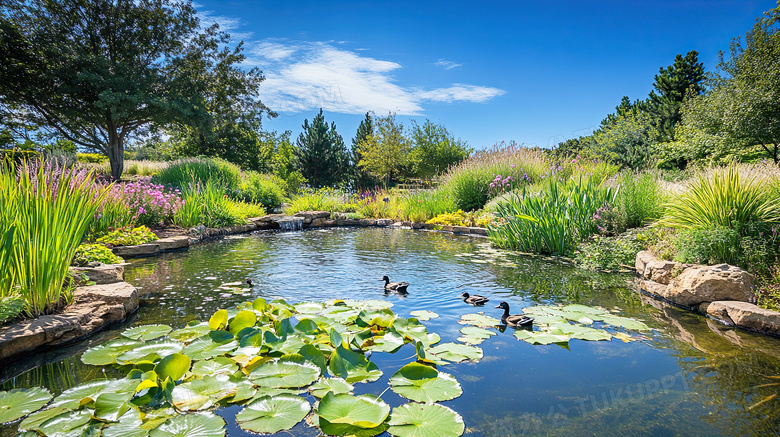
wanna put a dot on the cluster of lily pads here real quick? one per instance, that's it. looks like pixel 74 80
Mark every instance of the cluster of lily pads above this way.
pixel 265 356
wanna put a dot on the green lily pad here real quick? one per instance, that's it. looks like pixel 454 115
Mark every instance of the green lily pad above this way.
pixel 106 354
pixel 414 331
pixel 63 424
pixel 173 366
pixel 580 332
pixel 20 402
pixel 281 373
pixel 308 307
pixel 424 315
pixel 200 394
pixel 389 342
pixel 352 366
pixel 217 365
pixel 130 425
pixel 456 352
pixel 146 332
pixel 478 320
pixel 383 317
pixel 273 414
pixel 244 319
pixel 191 425
pixel 110 406
pixel 625 322
pixel 364 411
pixel 75 397
pixel 541 337
pixel 422 383
pixel 218 320
pixel 330 385
pixel 425 420
pixel 209 346
pixel 186 335
pixel 343 429
pixel 150 352
pixel 473 331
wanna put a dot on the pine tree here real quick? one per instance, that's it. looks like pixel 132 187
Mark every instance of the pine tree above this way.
pixel 361 178
pixel 674 84
pixel 320 154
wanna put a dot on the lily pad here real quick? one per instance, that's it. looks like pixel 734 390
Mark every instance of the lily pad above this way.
pixel 364 411
pixel 352 366
pixel 75 397
pixel 150 352
pixel 284 374
pixel 478 320
pixel 424 315
pixel 191 425
pixel 106 354
pixel 218 320
pixel 218 365
pixel 186 335
pixel 425 420
pixel 173 366
pixel 64 423
pixel 473 331
pixel 243 319
pixel 20 402
pixel 422 383
pixel 110 406
pixel 456 352
pixel 209 346
pixel 541 337
pixel 625 322
pixel 273 414
pixel 146 332
pixel 200 394
pixel 389 342
pixel 330 385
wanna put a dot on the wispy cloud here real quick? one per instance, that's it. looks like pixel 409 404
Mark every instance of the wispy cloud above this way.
pixel 226 24
pixel 301 76
pixel 447 65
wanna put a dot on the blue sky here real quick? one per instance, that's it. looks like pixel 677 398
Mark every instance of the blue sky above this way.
pixel 533 72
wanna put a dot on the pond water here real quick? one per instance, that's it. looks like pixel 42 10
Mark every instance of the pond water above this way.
pixel 687 376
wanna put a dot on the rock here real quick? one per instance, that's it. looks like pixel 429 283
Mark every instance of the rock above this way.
pixel 406 223
pixel 384 222
pixel 659 271
pixel 418 225
pixel 431 226
pixel 329 223
pixel 93 308
pixel 746 315
pixel 309 216
pixel 460 229
pixel 139 250
pixel 173 243
pixel 367 222
pixel 709 284
pixel 103 274
pixel 478 231
pixel 318 222
pixel 397 224
pixel 446 228
pixel 651 287
pixel 642 259
pixel 268 218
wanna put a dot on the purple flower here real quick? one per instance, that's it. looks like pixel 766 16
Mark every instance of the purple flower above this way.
pixel 511 166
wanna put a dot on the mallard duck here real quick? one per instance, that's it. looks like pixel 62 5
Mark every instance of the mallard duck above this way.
pixel 514 319
pixel 249 282
pixel 397 287
pixel 474 299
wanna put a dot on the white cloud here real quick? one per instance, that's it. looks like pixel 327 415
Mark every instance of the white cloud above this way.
pixel 447 65
pixel 302 76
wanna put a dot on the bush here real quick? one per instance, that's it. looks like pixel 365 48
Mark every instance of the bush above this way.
pixel 324 199
pixel 608 253
pixel 87 253
pixel 91 158
pixel 263 189
pixel 128 237
pixel 469 182
pixel 640 198
pixel 456 218
pixel 183 171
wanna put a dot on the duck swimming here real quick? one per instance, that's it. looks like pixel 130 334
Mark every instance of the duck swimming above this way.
pixel 514 319
pixel 474 299
pixel 397 287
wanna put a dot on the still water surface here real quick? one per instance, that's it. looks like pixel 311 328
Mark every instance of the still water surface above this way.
pixel 688 376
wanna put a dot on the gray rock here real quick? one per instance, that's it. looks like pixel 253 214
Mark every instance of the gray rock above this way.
pixel 642 259
pixel 478 231
pixel 139 250
pixel 460 229
pixel 173 243
pixel 103 274
pixel 367 222
pixel 418 225
pixel 709 284
pixel 746 315
pixel 384 222
pixel 318 222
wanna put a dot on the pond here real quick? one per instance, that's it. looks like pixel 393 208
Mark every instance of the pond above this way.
pixel 686 376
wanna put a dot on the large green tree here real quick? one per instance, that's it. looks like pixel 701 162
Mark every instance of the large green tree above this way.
pixel 386 151
pixel 99 72
pixel 320 154
pixel 672 86
pixel 360 177
pixel 435 149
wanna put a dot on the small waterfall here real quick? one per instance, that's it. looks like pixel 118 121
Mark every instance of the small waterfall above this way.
pixel 290 223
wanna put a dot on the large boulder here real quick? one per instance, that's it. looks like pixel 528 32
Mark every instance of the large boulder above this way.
pixel 102 274
pixel 710 283
pixel 745 315
pixel 642 259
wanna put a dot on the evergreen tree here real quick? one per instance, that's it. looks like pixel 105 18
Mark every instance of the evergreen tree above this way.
pixel 361 178
pixel 674 84
pixel 320 154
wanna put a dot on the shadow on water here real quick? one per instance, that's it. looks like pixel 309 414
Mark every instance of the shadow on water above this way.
pixel 688 376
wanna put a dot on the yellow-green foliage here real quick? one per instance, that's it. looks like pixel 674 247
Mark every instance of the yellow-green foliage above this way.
pixel 324 199
pixel 456 218
pixel 87 253
pixel 128 236
pixel 91 158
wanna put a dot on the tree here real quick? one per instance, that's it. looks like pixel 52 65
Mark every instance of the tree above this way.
pixel 361 178
pixel 627 142
pixel 320 155
pixel 435 149
pixel 386 151
pixel 677 82
pixel 742 110
pixel 101 72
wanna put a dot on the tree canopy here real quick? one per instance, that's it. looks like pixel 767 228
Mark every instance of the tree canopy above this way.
pixel 100 72
pixel 320 154
pixel 435 149
pixel 386 151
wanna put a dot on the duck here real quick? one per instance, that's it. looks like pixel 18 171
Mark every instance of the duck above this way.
pixel 397 287
pixel 249 282
pixel 474 299
pixel 514 319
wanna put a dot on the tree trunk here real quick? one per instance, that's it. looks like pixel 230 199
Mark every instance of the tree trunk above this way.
pixel 116 155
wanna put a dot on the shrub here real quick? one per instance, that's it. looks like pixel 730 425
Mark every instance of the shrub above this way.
pixel 128 237
pixel 91 158
pixel 324 199
pixel 183 171
pixel 11 307
pixel 144 168
pixel 150 204
pixel 456 218
pixel 608 253
pixel 263 189
pixel 469 182
pixel 87 253
pixel 554 220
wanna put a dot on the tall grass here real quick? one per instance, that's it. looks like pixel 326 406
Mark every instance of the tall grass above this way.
pixel 552 221
pixel 52 209
pixel 640 197
pixel 324 199
pixel 723 198
pixel 144 168
pixel 469 182
pixel 424 205
pixel 259 188
pixel 181 172
pixel 205 203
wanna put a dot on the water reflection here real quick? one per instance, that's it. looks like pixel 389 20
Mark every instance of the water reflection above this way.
pixel 689 376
